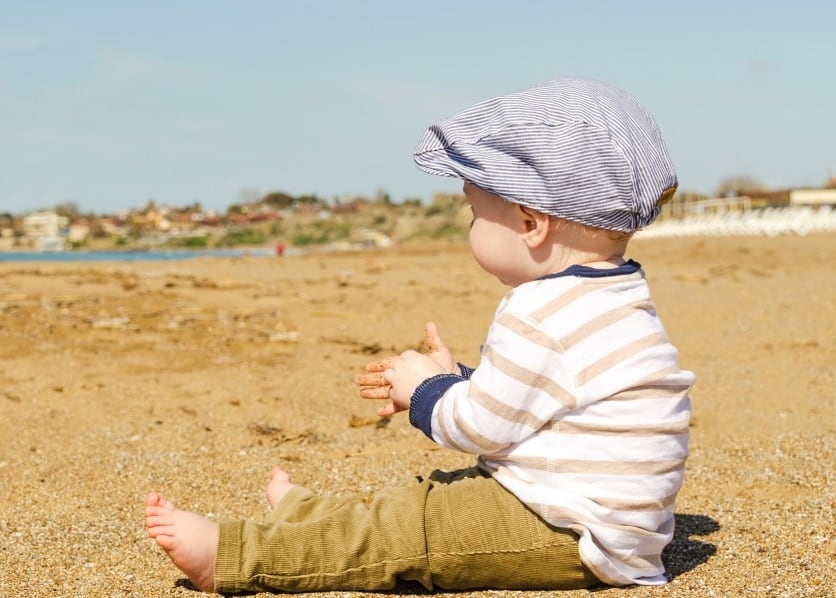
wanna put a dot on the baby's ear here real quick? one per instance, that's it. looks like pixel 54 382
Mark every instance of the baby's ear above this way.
pixel 535 226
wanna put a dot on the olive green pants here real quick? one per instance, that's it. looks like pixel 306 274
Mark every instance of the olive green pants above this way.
pixel 454 531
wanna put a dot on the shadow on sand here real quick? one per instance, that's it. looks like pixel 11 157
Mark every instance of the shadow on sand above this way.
pixel 684 553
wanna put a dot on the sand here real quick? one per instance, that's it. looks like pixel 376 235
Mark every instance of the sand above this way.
pixel 195 377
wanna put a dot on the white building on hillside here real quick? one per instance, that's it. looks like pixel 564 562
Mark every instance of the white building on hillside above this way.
pixel 43 230
pixel 812 197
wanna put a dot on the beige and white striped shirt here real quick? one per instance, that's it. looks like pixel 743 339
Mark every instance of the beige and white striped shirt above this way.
pixel 579 407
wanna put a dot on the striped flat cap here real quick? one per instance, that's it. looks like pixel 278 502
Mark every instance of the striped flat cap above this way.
pixel 574 148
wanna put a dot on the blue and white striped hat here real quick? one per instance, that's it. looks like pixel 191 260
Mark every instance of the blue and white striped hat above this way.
pixel 575 148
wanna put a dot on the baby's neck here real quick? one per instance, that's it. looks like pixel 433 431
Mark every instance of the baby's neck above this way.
pixel 564 257
pixel 604 264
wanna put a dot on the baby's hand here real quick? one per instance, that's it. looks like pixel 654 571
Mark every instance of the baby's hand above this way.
pixel 397 377
pixel 405 373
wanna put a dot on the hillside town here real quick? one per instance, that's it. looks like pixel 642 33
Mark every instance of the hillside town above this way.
pixel 275 217
pixel 308 220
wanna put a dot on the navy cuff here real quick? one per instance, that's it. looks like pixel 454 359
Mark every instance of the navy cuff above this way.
pixel 423 400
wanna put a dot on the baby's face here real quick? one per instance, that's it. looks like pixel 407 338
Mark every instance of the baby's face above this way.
pixel 495 235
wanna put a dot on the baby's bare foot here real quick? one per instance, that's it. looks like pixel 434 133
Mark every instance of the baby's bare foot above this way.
pixel 279 485
pixel 189 539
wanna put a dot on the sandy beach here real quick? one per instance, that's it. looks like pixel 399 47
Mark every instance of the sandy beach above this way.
pixel 194 377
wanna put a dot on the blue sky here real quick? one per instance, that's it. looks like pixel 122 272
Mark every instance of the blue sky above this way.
pixel 110 104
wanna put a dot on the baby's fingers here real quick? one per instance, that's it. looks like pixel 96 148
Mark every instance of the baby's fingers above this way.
pixel 373 379
pixel 431 337
pixel 379 366
pixel 387 410
pixel 378 392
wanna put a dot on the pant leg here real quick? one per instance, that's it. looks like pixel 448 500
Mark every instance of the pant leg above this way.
pixel 311 543
pixel 479 535
pixel 460 531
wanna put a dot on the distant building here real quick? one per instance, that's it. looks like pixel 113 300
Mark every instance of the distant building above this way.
pixel 782 198
pixel 813 197
pixel 761 198
pixel 7 238
pixel 44 231
pixel 78 231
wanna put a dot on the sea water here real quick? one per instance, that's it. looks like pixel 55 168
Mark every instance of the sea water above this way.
pixel 130 256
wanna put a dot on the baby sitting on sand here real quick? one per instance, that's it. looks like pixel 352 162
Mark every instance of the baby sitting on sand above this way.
pixel 578 411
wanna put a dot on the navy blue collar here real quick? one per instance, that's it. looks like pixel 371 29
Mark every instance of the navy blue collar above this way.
pixel 628 267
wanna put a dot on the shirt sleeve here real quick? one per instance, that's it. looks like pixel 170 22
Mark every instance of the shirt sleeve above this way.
pixel 521 383
pixel 425 397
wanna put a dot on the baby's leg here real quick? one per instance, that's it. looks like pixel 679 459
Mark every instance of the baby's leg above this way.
pixel 325 543
pixel 190 540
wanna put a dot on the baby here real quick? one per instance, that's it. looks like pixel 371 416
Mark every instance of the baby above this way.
pixel 577 412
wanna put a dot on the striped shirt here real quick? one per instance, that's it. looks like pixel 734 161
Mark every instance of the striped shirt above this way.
pixel 579 407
